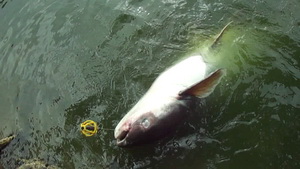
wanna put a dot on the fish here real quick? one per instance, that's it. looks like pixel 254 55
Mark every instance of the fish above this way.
pixel 167 102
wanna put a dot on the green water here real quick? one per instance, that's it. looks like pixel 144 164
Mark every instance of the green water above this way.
pixel 63 62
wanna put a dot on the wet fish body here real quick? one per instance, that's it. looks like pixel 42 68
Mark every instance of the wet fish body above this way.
pixel 166 104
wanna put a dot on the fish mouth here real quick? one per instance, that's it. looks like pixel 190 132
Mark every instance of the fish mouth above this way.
pixel 121 139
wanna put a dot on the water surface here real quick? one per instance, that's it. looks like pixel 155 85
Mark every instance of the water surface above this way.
pixel 63 62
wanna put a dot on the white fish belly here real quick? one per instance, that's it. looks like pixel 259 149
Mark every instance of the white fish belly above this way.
pixel 180 76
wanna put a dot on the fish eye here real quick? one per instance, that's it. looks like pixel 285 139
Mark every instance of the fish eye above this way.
pixel 145 122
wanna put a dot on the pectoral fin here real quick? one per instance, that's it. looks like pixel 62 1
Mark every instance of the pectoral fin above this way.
pixel 206 86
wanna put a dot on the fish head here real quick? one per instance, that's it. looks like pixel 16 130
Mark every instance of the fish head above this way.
pixel 143 125
pixel 142 129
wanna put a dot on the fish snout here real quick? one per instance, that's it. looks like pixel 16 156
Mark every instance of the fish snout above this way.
pixel 121 133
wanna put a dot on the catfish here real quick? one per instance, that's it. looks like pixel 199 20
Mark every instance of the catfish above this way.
pixel 166 104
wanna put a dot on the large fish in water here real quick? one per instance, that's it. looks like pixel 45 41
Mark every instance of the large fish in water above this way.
pixel 166 104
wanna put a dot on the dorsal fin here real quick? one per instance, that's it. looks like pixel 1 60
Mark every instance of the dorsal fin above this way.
pixel 206 86
pixel 216 41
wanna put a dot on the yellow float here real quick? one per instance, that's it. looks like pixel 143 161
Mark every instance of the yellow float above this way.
pixel 89 128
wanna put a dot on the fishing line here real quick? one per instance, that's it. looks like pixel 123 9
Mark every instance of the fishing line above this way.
pixel 90 128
